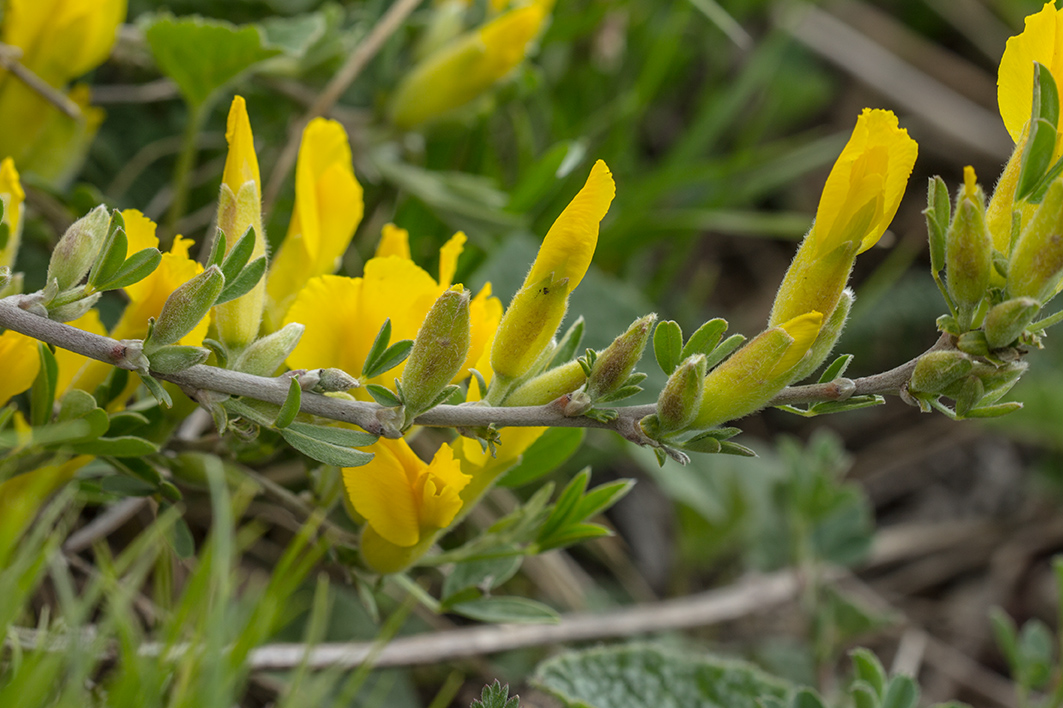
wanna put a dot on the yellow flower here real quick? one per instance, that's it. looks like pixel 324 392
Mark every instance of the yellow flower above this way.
pixel 539 306
pixel 1040 41
pixel 467 66
pixel 19 359
pixel 859 200
pixel 392 286
pixel 12 194
pixel 240 208
pixel 751 377
pixel 60 40
pixel 146 299
pixel 328 208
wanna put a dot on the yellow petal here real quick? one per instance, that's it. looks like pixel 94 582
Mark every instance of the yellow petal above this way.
pixel 443 481
pixel 139 231
pixel 804 329
pixel 381 491
pixel 147 297
pixel 20 362
pixel 569 244
pixel 1040 41
pixel 393 242
pixel 448 259
pixel 328 208
pixel 329 306
pixel 62 39
pixel 866 184
pixel 485 312
pixel 241 163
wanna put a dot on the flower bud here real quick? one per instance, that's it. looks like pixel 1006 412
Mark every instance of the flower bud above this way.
pixel 681 397
pixel 334 380
pixel 968 396
pixel 549 385
pixel 528 326
pixel 1036 265
pixel 936 370
pixel 76 251
pixel 998 380
pixel 171 358
pixel 1006 321
pixel 186 306
pixel 614 365
pixel 828 337
pixel 439 350
pixel 266 355
pixel 748 380
pixel 968 249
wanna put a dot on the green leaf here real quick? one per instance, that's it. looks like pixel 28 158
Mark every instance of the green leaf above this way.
pixel 1007 637
pixel 244 282
pixel 544 456
pixel 507 609
pixel 317 447
pixel 238 257
pixel 485 574
pixel 570 535
pixel 134 269
pixel 126 486
pixel 496 696
pixel 1036 650
pixel 636 676
pixel 123 446
pixel 565 506
pixel 901 692
pixel 139 468
pixel 344 437
pixel 836 369
pixel 389 359
pixel 87 427
pixel 382 395
pixel 42 393
pixel 376 350
pixel 806 698
pixel 602 497
pixel 705 339
pixel 938 213
pixel 75 404
pixel 181 539
pixel 668 345
pixel 729 448
pixel 723 350
pixel 217 249
pixel 110 258
pixel 156 390
pixel 291 405
pixel 568 346
pixel 1044 119
pixel 867 668
pixel 202 56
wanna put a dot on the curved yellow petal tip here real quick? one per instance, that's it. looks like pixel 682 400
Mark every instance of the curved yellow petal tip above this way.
pixel 394 241
pixel 1040 41
pixel 803 329
pixel 9 180
pixel 448 258
pixel 569 245
pixel 241 164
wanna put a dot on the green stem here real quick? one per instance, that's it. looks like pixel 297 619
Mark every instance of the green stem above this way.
pixel 186 160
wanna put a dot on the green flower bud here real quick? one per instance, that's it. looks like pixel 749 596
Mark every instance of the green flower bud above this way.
pixel 998 380
pixel 1036 265
pixel 439 350
pixel 969 395
pixel 828 337
pixel 681 397
pixel 615 364
pixel 936 370
pixel 267 354
pixel 76 251
pixel 334 380
pixel 187 306
pixel 72 310
pixel 1006 321
pixel 171 358
pixel 968 249
pixel 973 343
pixel 549 385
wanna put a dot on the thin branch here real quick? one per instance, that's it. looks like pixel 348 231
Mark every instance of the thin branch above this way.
pixel 200 378
pixel 389 23
pixel 9 59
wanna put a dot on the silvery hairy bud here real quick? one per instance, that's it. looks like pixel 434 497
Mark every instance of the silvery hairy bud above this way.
pixel 614 365
pixel 76 251
pixel 187 306
pixel 937 370
pixel 438 352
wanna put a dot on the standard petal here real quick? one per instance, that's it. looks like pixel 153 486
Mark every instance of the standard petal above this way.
pixel 329 307
pixel 1040 41
pixel 393 242
pixel 241 162
pixel 380 491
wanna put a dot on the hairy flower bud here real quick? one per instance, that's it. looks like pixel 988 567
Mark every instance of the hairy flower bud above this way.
pixel 171 358
pixel 528 325
pixel 186 306
pixel 828 337
pixel 549 385
pixel 681 397
pixel 615 364
pixel 937 370
pixel 334 380
pixel 438 352
pixel 1006 321
pixel 1036 265
pixel 76 251
pixel 968 249
pixel 267 354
